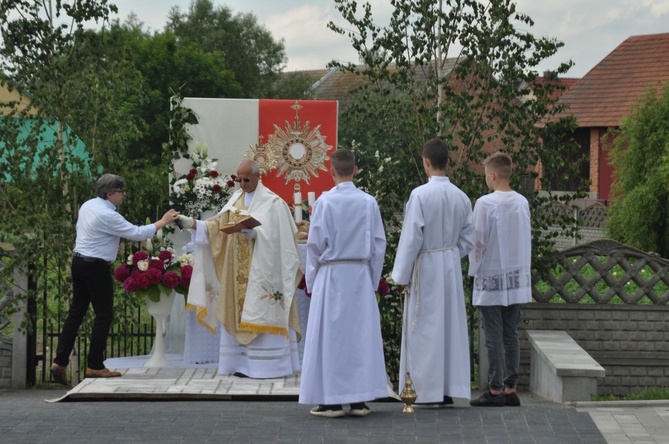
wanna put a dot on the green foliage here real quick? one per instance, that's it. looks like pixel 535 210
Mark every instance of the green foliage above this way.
pixel 249 50
pixel 168 63
pixel 639 215
pixel 477 101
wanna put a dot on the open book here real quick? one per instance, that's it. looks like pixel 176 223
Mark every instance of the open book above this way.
pixel 231 227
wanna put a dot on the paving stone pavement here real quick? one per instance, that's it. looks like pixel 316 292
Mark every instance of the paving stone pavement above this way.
pixel 25 417
pixel 625 423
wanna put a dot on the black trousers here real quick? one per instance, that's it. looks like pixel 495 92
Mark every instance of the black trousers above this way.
pixel 92 285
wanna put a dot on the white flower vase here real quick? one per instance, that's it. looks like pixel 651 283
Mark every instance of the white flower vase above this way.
pixel 159 310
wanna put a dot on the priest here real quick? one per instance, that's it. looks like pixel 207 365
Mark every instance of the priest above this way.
pixel 437 233
pixel 247 280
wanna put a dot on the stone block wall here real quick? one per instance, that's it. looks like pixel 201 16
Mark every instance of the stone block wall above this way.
pixel 5 364
pixel 630 341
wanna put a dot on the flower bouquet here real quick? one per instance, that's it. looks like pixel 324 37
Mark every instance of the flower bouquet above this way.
pixel 202 188
pixel 148 276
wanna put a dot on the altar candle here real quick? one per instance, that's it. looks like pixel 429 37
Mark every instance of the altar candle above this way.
pixel 298 207
pixel 311 197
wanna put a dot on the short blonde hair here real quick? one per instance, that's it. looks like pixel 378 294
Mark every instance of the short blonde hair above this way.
pixel 500 163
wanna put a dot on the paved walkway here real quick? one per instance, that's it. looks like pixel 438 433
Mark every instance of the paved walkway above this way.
pixel 198 406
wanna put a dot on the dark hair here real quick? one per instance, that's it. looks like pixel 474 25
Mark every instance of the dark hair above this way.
pixel 343 162
pixel 108 183
pixel 500 163
pixel 436 151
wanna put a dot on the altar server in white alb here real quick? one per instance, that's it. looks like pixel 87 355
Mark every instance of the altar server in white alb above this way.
pixel 437 233
pixel 500 264
pixel 257 270
pixel 343 354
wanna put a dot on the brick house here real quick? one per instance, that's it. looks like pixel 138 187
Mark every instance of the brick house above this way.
pixel 606 94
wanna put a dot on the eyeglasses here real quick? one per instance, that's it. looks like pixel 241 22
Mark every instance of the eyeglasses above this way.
pixel 120 191
pixel 240 180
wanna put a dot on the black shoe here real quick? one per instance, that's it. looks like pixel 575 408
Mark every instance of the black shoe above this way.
pixel 512 399
pixel 240 375
pixel 448 402
pixel 59 375
pixel 360 409
pixel 328 411
pixel 488 400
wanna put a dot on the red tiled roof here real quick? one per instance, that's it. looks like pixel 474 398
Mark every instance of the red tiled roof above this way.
pixel 609 91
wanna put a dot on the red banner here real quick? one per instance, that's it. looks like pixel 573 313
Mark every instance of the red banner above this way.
pixel 305 131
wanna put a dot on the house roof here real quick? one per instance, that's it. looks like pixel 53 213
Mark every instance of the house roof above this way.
pixel 608 92
pixel 336 84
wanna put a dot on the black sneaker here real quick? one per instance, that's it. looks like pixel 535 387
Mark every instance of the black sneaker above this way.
pixel 328 411
pixel 448 402
pixel 488 400
pixel 360 409
pixel 512 399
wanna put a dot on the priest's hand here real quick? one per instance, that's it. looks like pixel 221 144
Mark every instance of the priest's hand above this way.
pixel 249 233
pixel 184 222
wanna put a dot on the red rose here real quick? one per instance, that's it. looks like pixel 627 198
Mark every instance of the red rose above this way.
pixel 187 271
pixel 139 256
pixel 193 171
pixel 216 189
pixel 130 284
pixel 155 275
pixel 157 264
pixel 171 279
pixel 190 177
pixel 143 279
pixel 230 183
pixel 233 177
pixel 213 173
pixel 383 288
pixel 121 273
pixel 165 255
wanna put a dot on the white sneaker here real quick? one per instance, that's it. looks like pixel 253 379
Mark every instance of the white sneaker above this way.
pixel 328 411
pixel 360 409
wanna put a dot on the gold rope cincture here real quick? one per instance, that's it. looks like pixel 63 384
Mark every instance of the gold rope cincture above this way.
pixel 415 278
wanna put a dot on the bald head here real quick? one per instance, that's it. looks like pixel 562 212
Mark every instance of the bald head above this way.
pixel 248 175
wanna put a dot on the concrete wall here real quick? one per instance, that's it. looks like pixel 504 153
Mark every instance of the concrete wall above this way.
pixel 630 341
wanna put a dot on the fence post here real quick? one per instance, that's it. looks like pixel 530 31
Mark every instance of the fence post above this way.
pixel 19 337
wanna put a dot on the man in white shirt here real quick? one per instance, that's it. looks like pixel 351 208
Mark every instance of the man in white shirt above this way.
pixel 343 354
pixel 500 265
pixel 100 229
pixel 437 233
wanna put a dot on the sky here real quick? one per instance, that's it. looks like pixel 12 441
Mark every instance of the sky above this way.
pixel 589 29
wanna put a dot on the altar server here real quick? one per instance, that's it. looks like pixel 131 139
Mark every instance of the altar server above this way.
pixel 343 355
pixel 436 233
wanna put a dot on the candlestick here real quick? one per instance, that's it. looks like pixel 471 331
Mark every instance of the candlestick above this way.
pixel 311 198
pixel 298 207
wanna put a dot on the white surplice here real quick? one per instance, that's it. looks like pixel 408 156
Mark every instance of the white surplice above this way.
pixel 343 355
pixel 501 258
pixel 437 232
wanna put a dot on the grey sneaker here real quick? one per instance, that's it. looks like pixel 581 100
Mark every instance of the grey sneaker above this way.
pixel 512 399
pixel 488 400
pixel 328 411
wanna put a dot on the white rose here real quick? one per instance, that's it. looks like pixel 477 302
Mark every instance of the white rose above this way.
pixel 143 265
pixel 129 261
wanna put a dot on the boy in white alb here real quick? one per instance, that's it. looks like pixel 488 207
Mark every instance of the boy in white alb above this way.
pixel 500 265
pixel 343 354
